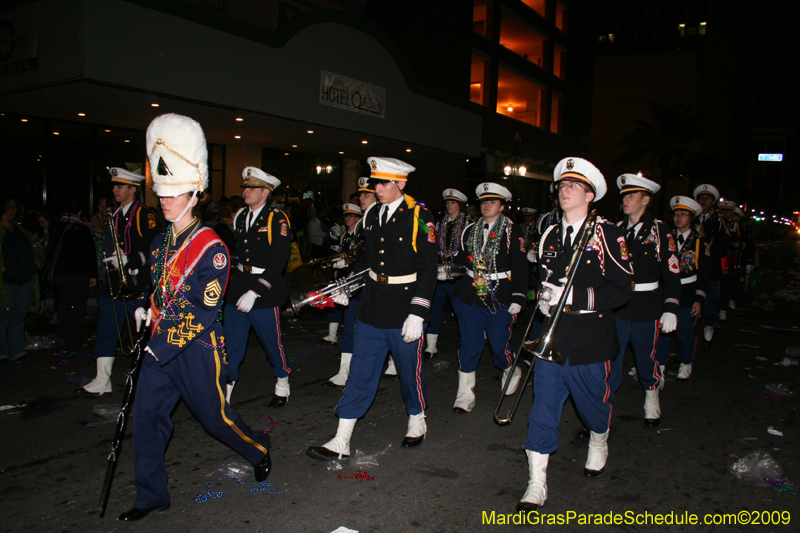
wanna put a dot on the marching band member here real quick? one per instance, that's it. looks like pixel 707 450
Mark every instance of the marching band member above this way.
pixel 449 231
pixel 257 288
pixel 184 358
pixel 733 263
pixel 351 241
pixel 529 228
pixel 400 253
pixel 490 297
pixel 695 257
pixel 586 335
pixel 714 229
pixel 656 293
pixel 136 226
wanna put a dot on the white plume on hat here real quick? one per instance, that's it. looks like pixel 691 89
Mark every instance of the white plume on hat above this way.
pixel 179 142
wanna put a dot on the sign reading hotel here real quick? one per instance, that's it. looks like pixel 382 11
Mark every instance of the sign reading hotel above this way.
pixel 353 95
pixel 18 44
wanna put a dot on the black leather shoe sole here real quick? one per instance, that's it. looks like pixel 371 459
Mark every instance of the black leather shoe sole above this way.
pixel 263 468
pixel 652 422
pixel 527 507
pixel 410 442
pixel 138 514
pixel 460 410
pixel 583 434
pixel 278 401
pixel 593 473
pixel 323 454
pixel 332 385
pixel 86 394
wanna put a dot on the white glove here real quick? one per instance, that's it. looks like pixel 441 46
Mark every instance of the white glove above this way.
pixel 339 264
pixel 441 276
pixel 412 328
pixel 246 301
pixel 341 298
pixel 532 256
pixel 669 322
pixel 513 309
pixel 142 315
pixel 336 232
pixel 115 262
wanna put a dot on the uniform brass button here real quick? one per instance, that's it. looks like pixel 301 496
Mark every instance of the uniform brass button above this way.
pixel 245 241
pixel 381 263
pixel 401 238
pixel 247 251
pixel 601 316
pixel 406 288
pixel 380 251
pixel 588 261
pixel 381 239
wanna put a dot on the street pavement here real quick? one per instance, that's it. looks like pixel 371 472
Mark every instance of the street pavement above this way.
pixel 54 449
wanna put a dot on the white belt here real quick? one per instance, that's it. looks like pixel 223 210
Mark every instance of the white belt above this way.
pixel 690 279
pixel 383 279
pixel 638 287
pixel 498 275
pixel 250 269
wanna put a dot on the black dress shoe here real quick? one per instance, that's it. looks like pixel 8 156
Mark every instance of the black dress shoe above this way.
pixel 652 422
pixel 583 434
pixel 593 473
pixel 707 344
pixel 263 468
pixel 323 454
pixel 86 394
pixel 278 401
pixel 332 385
pixel 527 507
pixel 138 514
pixel 410 442
pixel 459 410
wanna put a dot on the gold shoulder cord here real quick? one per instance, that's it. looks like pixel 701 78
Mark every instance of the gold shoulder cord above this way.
pixel 269 227
pixel 138 227
pixel 416 229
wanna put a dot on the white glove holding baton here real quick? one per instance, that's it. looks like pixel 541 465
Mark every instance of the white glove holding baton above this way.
pixel 412 329
pixel 669 322
pixel 142 315
pixel 246 301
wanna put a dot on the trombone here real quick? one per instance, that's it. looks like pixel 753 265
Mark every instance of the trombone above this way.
pixel 124 290
pixel 542 347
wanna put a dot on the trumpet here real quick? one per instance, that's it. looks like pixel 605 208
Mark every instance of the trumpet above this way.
pixel 450 271
pixel 542 347
pixel 327 262
pixel 348 286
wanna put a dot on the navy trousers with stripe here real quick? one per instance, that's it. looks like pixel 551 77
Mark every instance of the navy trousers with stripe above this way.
pixel 552 384
pixel 643 338
pixel 197 376
pixel 445 291
pixel 473 321
pixel 371 346
pixel 267 323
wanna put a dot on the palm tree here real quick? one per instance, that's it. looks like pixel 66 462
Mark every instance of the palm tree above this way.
pixel 668 142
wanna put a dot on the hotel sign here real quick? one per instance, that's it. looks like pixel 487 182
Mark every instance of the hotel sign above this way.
pixel 18 46
pixel 770 157
pixel 352 95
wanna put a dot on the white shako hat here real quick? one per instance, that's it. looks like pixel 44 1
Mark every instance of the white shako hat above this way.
pixel 636 182
pixel 176 149
pixel 684 202
pixel 351 209
pixel 528 211
pixel 577 169
pixel 489 191
pixel 120 175
pixel 255 177
pixel 727 204
pixel 364 185
pixel 706 188
pixel 389 169
pixel 454 194
pixel 738 211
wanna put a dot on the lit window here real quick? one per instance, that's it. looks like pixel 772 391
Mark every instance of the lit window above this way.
pixel 525 97
pixel 536 5
pixel 702 29
pixel 556 112
pixel 682 30
pixel 561 17
pixel 522 39
pixel 559 59
pixel 478 77
pixel 482 17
